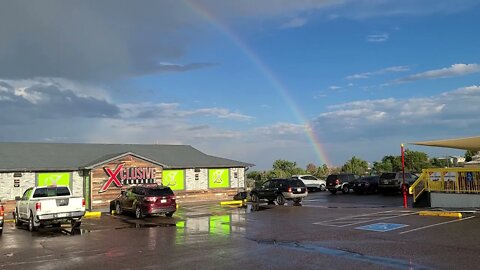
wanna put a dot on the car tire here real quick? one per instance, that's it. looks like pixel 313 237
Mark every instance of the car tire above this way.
pixel 280 199
pixel 1 231
pixel 345 189
pixel 118 208
pixel 31 224
pixel 18 223
pixel 138 212
pixel 169 214
pixel 297 200
pixel 333 191
pixel 75 224
pixel 255 198
pixel 323 187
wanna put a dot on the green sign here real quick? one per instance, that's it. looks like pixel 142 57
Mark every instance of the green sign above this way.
pixel 218 178
pixel 57 179
pixel 175 179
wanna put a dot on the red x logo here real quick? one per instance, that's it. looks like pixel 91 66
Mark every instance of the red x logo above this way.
pixel 113 178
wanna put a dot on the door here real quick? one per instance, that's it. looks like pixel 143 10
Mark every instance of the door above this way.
pixel 23 204
pixel 129 198
pixel 264 190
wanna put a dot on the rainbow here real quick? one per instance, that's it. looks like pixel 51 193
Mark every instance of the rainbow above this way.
pixel 269 74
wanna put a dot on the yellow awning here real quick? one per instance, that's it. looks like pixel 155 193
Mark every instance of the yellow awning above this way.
pixel 470 143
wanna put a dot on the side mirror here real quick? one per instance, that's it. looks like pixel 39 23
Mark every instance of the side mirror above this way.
pixel 18 198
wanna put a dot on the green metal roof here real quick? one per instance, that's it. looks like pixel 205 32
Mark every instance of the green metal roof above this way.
pixel 73 156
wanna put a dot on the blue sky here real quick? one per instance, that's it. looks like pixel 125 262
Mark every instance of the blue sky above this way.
pixel 247 80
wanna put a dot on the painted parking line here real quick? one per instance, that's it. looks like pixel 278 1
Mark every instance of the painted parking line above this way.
pixel 437 224
pixel 360 219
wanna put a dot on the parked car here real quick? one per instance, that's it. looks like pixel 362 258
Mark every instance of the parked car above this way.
pixel 312 182
pixel 2 218
pixel 340 182
pixel 280 190
pixel 392 181
pixel 50 205
pixel 367 184
pixel 146 200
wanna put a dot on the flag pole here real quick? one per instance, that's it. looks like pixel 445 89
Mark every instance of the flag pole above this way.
pixel 404 186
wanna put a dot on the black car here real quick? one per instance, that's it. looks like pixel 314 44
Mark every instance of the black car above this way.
pixel 340 182
pixel 367 184
pixel 280 190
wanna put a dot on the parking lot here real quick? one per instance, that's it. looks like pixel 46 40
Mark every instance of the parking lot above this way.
pixel 326 232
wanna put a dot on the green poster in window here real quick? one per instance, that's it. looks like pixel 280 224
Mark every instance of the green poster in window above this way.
pixel 175 179
pixel 57 179
pixel 218 178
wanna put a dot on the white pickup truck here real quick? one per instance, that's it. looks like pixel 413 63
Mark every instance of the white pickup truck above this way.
pixel 52 205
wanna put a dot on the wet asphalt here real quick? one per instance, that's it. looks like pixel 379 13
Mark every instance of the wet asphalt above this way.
pixel 325 232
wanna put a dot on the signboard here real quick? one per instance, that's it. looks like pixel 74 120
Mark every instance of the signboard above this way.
pixel 128 175
pixel 175 179
pixel 450 176
pixel 218 178
pixel 469 176
pixel 57 179
pixel 435 176
pixel 16 182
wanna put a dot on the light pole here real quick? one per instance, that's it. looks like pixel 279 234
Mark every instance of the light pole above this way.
pixel 404 186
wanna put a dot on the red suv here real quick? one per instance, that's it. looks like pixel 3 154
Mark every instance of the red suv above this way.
pixel 146 200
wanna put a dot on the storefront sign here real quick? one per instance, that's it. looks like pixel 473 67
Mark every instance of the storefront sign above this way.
pixel 55 179
pixel 128 175
pixel 175 179
pixel 16 182
pixel 218 178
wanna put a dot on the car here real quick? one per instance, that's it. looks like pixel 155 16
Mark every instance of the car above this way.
pixel 340 182
pixel 280 190
pixel 49 205
pixel 312 182
pixel 146 200
pixel 366 184
pixel 392 181
pixel 2 218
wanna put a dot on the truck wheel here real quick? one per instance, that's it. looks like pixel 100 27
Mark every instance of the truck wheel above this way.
pixel 280 199
pixel 18 223
pixel 345 189
pixel 76 223
pixel 297 200
pixel 31 224
pixel 138 212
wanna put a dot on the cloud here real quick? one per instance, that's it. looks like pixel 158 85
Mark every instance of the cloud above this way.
pixel 377 38
pixel 294 23
pixel 454 70
pixel 334 87
pixel 366 75
pixel 49 101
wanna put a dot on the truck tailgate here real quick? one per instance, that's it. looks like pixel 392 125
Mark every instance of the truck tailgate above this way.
pixel 54 205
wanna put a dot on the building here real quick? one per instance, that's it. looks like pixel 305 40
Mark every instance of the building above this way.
pixel 98 172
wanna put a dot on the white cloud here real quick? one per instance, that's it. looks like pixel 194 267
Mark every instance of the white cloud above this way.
pixel 294 23
pixel 366 75
pixel 377 38
pixel 334 87
pixel 454 70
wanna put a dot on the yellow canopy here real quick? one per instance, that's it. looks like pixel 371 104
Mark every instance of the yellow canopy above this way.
pixel 470 143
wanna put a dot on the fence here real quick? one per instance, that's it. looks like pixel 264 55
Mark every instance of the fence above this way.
pixel 447 180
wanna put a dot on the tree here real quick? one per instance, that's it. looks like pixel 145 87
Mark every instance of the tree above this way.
pixel 285 168
pixel 311 169
pixel 322 172
pixel 388 164
pixel 439 163
pixel 415 161
pixel 469 155
pixel 355 166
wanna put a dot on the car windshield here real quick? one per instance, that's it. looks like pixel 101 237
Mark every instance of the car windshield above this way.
pixel 159 192
pixel 51 192
pixel 388 176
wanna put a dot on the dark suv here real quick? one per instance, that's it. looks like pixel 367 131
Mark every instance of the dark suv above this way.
pixel 343 182
pixel 146 200
pixel 280 190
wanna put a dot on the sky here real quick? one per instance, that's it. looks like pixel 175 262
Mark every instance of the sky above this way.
pixel 305 81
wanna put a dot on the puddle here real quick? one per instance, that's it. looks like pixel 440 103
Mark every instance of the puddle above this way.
pixel 383 261
pixel 145 225
pixel 255 207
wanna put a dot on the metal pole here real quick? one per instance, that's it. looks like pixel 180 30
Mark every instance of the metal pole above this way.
pixel 404 186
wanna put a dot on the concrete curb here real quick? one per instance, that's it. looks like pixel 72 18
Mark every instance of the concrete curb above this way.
pixel 441 214
pixel 237 202
pixel 92 214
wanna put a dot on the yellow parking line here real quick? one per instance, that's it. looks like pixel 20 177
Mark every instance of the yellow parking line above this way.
pixel 440 214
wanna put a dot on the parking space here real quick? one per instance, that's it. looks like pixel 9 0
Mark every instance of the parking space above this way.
pixel 329 231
